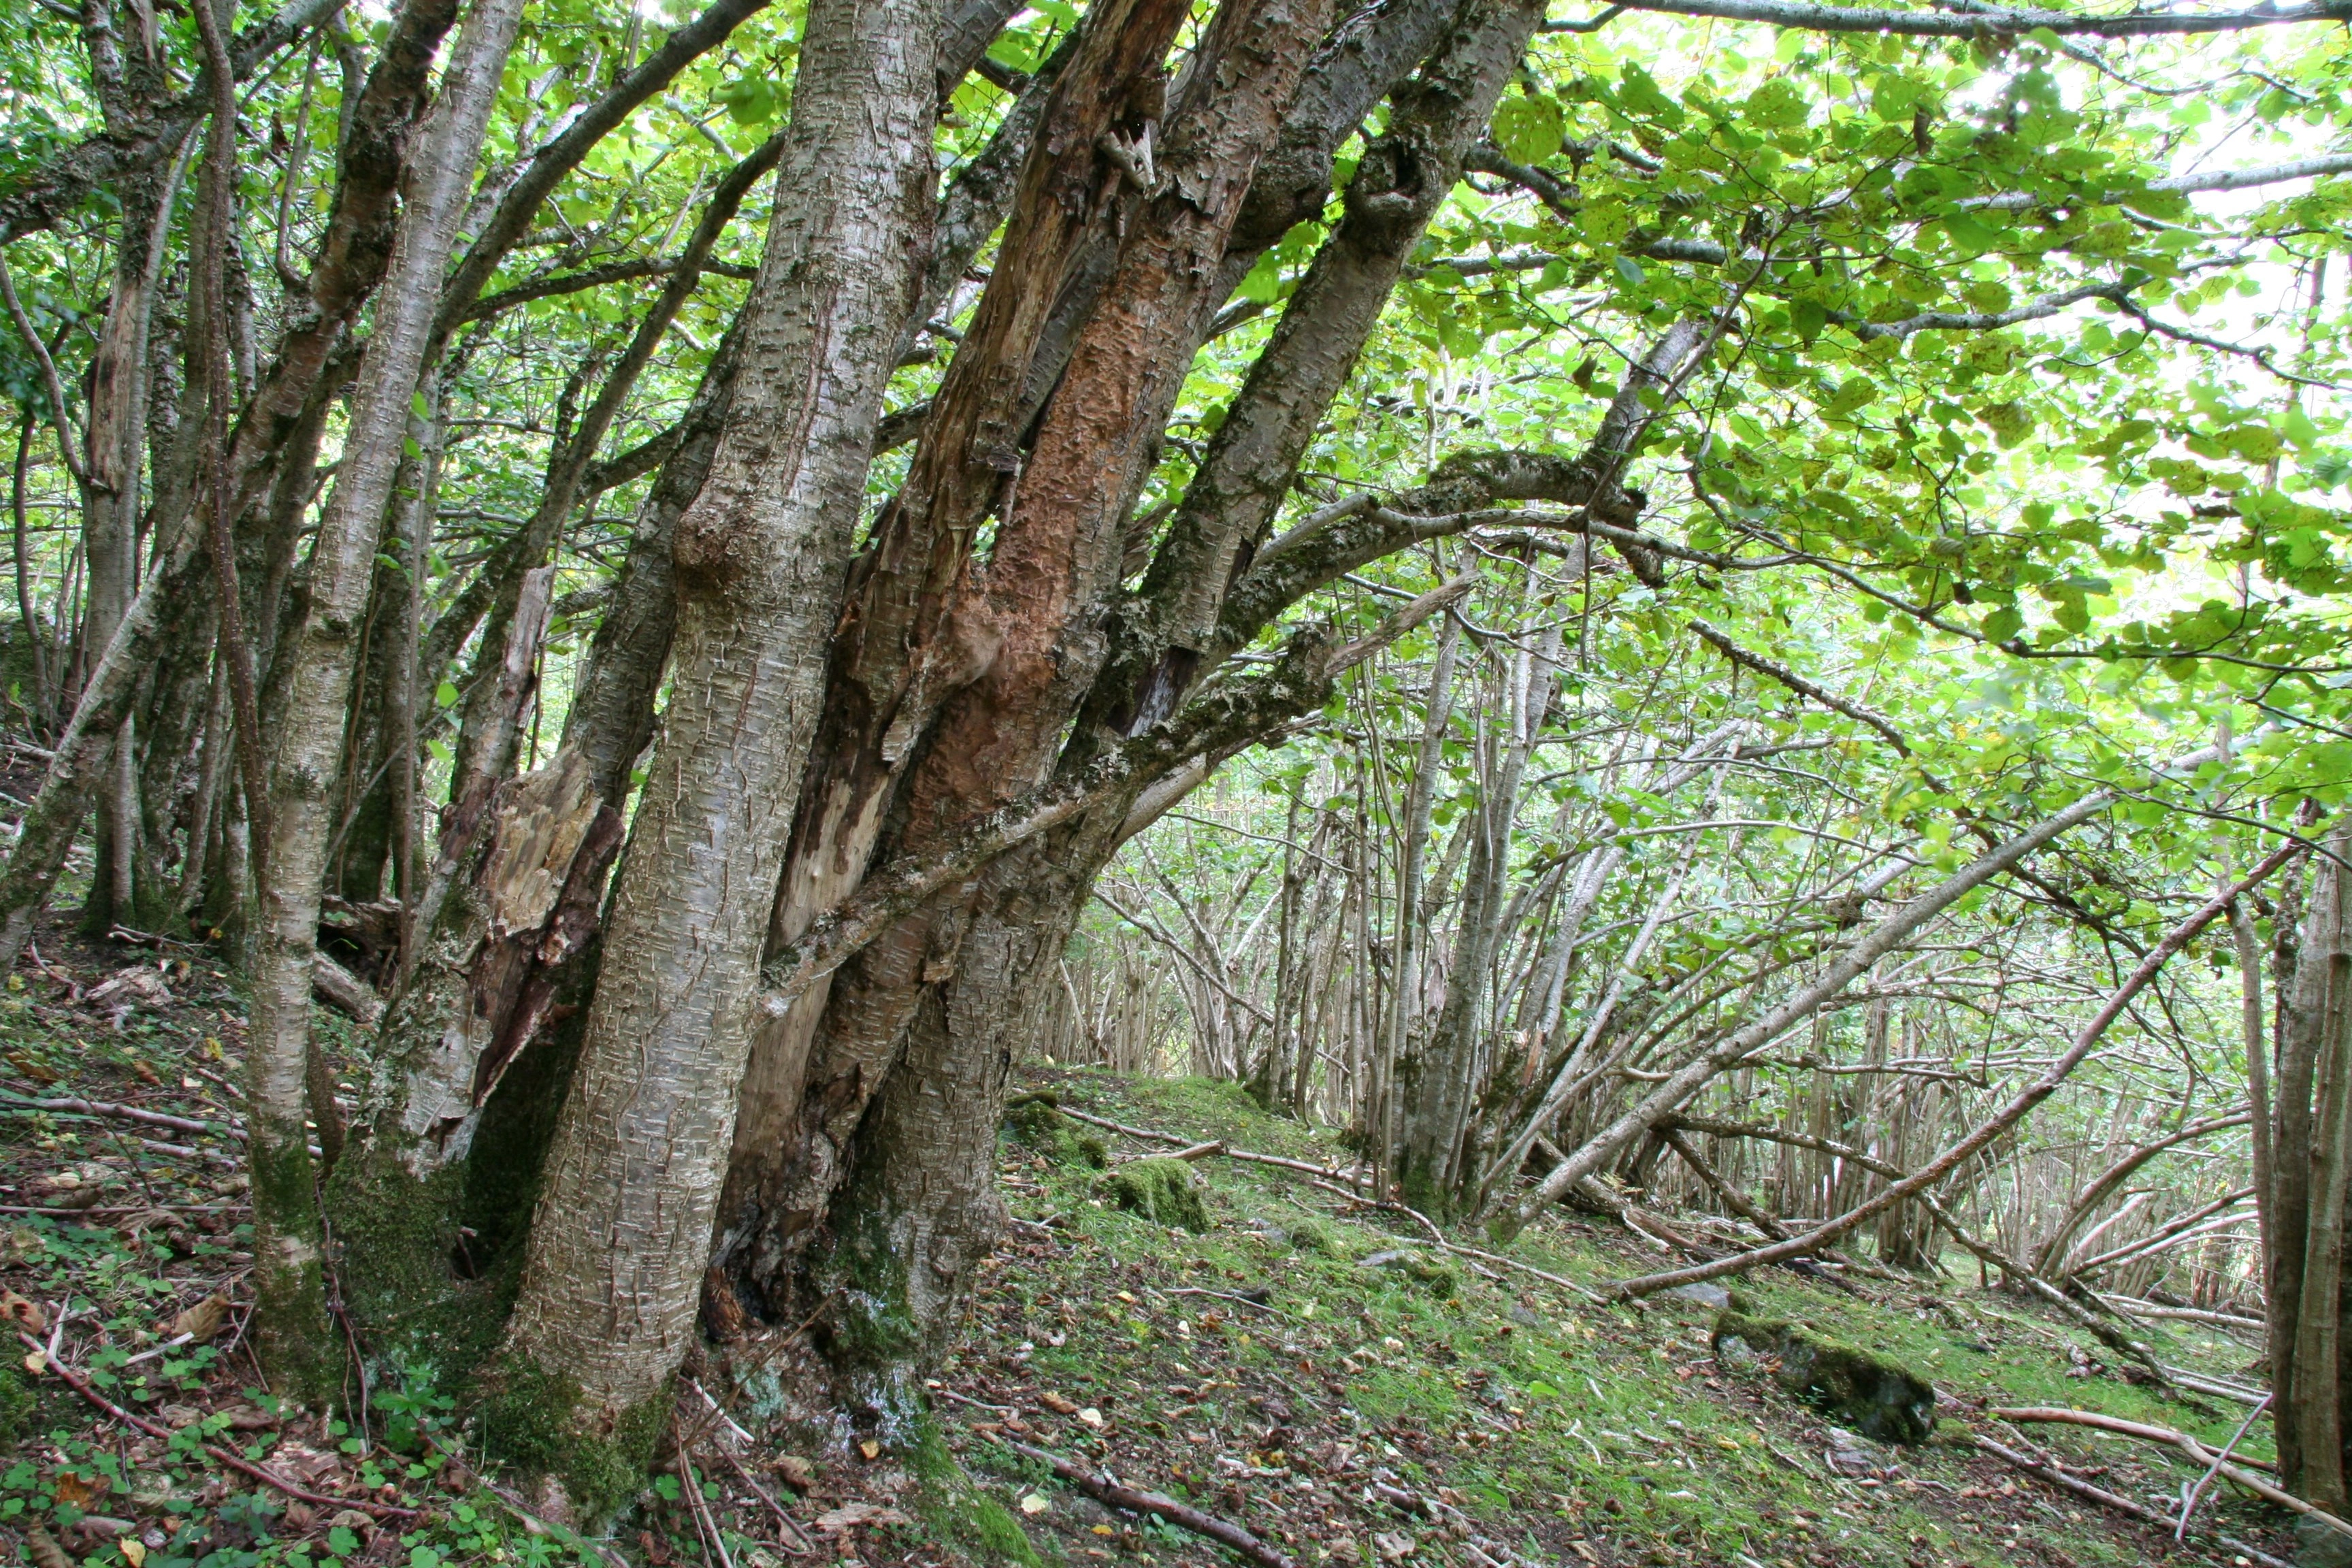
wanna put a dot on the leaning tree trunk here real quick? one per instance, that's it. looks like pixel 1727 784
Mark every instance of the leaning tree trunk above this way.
pixel 290 1320
pixel 618 1240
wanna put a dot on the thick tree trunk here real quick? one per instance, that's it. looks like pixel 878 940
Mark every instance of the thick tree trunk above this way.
pixel 290 1324
pixel 618 1241
pixel 1003 655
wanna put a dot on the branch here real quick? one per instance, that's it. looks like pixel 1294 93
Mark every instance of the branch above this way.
pixel 1202 1524
pixel 1803 688
pixel 50 192
pixel 1995 21
pixel 1928 1176
pixel 557 158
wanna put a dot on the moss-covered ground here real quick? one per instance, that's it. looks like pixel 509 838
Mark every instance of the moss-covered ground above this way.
pixel 1361 1414
pixel 1296 1364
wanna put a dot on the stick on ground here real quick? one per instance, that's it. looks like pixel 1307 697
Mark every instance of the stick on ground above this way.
pixel 1176 1513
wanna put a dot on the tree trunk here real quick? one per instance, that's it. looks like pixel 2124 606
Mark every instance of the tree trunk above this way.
pixel 619 1239
pixel 1004 653
pixel 290 1324
pixel 2312 1156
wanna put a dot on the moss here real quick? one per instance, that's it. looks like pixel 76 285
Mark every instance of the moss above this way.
pixel 531 1418
pixel 1876 1397
pixel 1162 1190
pixel 1037 1120
pixel 396 1237
pixel 291 1329
pixel 1308 1234
pixel 956 1512
pixel 16 1404
pixel 871 1337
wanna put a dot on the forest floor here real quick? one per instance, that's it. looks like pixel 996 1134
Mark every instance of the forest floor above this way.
pixel 1303 1368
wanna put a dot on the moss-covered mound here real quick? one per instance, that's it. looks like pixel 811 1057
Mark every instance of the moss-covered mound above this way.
pixel 1037 1120
pixel 1161 1190
pixel 1875 1396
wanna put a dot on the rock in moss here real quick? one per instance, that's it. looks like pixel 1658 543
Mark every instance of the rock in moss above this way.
pixel 1161 1190
pixel 1036 1119
pixel 1426 1269
pixel 1870 1394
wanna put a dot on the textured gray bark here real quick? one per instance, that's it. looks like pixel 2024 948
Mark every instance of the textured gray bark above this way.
pixel 619 1237
pixel 290 1320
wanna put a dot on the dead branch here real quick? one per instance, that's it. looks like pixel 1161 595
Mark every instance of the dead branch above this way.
pixel 1111 1493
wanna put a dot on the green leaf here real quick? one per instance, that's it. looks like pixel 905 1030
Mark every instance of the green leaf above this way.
pixel 1528 129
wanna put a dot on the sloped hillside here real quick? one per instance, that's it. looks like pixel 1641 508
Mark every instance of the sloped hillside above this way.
pixel 1257 1349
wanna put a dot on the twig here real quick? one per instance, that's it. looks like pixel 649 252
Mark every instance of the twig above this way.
pixel 807 1548
pixel 1223 1295
pixel 2189 1504
pixel 1176 1513
pixel 704 1524
pixel 977 1404
pixel 235 1462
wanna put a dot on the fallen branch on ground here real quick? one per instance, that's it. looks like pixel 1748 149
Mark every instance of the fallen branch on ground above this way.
pixel 1437 1239
pixel 108 1108
pixel 1195 1150
pixel 1176 1513
pixel 2106 1499
pixel 2197 1451
pixel 235 1462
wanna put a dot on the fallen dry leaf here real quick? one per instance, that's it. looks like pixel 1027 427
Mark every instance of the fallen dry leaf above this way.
pixel 203 1320
pixel 1092 1417
pixel 45 1550
pixel 1035 1503
pixel 798 1473
pixel 1058 1405
pixel 870 1448
pixel 25 1314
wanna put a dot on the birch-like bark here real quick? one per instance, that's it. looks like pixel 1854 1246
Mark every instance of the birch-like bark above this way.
pixel 621 1234
pixel 291 1323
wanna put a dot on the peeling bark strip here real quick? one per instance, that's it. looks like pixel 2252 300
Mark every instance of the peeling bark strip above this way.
pixel 990 696
pixel 290 1317
pixel 901 647
pixel 619 1240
